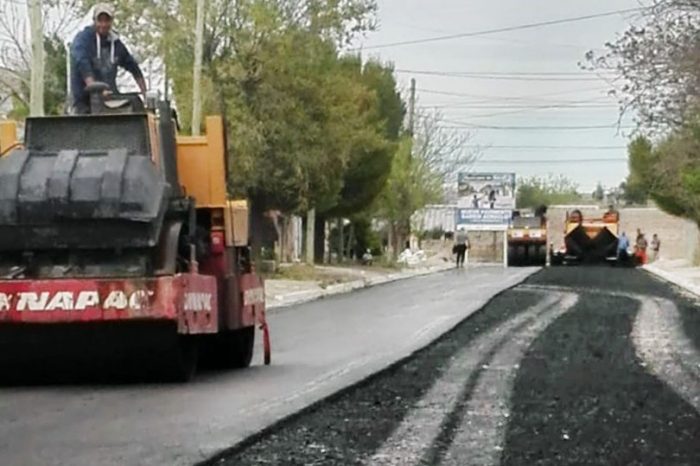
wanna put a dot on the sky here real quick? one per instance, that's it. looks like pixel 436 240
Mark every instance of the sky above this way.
pixel 505 88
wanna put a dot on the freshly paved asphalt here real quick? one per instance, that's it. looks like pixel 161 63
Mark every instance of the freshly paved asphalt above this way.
pixel 318 348
pixel 578 365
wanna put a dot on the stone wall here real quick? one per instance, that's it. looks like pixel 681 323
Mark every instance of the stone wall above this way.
pixel 486 246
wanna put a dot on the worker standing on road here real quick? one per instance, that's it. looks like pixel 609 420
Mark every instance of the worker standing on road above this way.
pixel 623 245
pixel 96 54
pixel 461 246
pixel 642 245
pixel 655 247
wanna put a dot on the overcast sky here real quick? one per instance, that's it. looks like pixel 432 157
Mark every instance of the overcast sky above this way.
pixel 516 58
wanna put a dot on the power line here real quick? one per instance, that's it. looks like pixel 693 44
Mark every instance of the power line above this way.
pixel 499 30
pixel 586 105
pixel 461 125
pixel 526 97
pixel 505 104
pixel 512 112
pixel 535 147
pixel 497 77
pixel 505 73
pixel 557 161
pixel 497 39
pixel 524 106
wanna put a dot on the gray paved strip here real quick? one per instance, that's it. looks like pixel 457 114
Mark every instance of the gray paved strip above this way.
pixel 479 439
pixel 660 343
pixel 665 349
pixel 414 437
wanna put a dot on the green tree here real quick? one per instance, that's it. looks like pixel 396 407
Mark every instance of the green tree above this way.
pixel 60 18
pixel 537 191
pixel 374 144
pixel 272 68
pixel 599 193
pixel 54 83
pixel 635 189
pixel 670 170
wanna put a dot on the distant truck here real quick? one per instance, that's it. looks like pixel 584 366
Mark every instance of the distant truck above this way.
pixel 527 238
pixel 589 240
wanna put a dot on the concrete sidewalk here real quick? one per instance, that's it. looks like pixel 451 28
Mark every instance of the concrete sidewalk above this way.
pixel 678 272
pixel 284 293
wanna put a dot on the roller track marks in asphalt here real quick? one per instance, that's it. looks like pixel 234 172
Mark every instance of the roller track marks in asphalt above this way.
pixel 660 342
pixel 666 350
pixel 461 419
pixel 575 366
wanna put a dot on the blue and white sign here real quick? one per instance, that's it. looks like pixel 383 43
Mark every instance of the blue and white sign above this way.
pixel 484 219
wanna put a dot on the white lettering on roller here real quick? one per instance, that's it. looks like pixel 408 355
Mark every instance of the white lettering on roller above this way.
pixel 116 300
pixel 5 301
pixel 29 301
pixel 87 299
pixel 198 302
pixel 253 296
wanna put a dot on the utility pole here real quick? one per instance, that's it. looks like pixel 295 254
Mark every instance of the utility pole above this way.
pixel 69 97
pixel 310 236
pixel 395 233
pixel 166 90
pixel 36 96
pixel 412 108
pixel 197 77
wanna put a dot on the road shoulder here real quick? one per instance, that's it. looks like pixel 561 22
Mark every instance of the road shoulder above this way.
pixel 285 293
pixel 678 273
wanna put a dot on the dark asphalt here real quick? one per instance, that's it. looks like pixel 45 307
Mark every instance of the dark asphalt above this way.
pixel 582 393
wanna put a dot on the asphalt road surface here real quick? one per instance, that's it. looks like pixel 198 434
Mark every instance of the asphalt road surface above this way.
pixel 579 365
pixel 318 349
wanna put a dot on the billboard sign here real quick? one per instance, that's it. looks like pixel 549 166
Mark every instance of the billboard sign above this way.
pixel 486 190
pixel 484 219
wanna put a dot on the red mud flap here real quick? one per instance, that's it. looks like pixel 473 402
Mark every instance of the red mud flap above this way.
pixel 254 309
pixel 188 299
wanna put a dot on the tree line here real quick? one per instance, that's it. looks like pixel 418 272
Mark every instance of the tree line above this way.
pixel 657 65
pixel 311 127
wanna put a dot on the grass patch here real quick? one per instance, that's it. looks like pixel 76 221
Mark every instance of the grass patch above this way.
pixel 308 273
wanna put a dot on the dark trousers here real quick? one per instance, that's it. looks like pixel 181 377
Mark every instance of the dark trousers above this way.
pixel 461 253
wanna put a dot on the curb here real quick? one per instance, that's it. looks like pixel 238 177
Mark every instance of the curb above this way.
pixel 302 297
pixel 670 277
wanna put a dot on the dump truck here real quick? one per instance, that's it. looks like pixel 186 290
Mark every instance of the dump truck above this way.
pixel 588 240
pixel 527 238
pixel 118 238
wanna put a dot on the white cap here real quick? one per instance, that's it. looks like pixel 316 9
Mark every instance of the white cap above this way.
pixel 103 9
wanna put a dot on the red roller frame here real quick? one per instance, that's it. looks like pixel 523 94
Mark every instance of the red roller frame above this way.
pixel 189 299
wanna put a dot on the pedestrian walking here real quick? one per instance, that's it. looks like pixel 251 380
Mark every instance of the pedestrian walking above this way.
pixel 461 246
pixel 492 198
pixel 655 247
